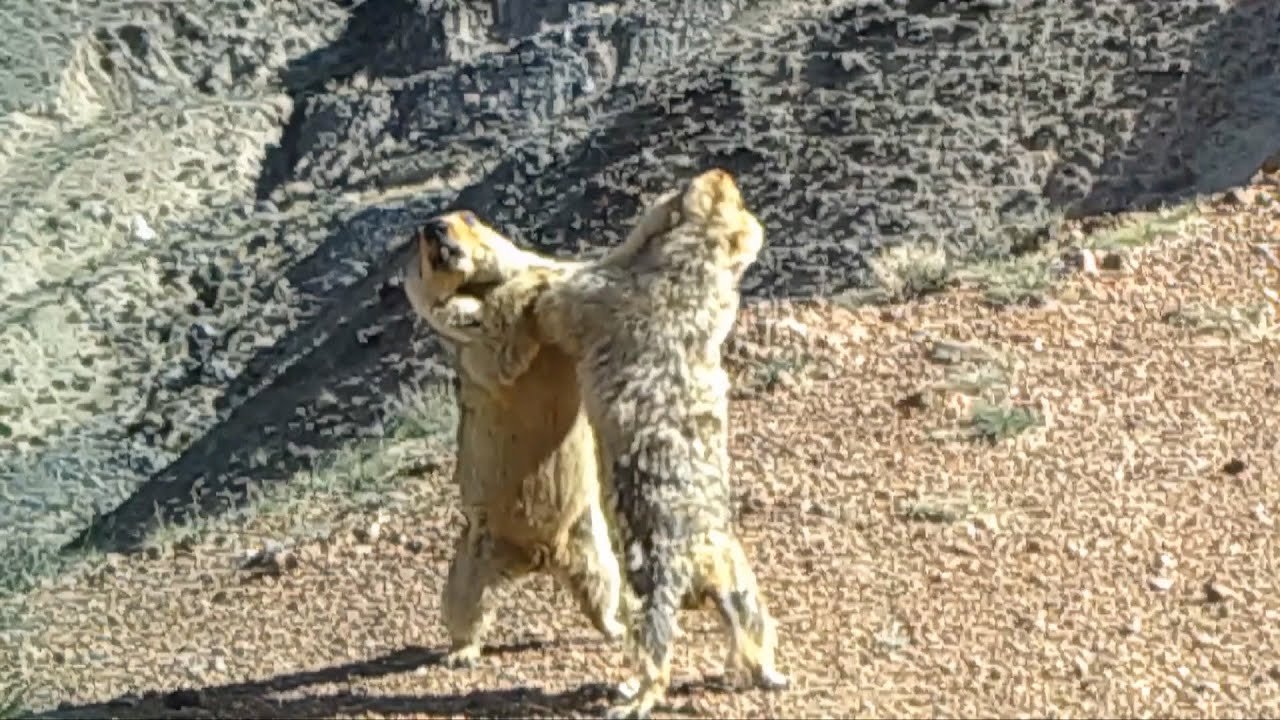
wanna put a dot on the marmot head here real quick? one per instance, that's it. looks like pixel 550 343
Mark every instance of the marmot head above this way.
pixel 457 249
pixel 713 200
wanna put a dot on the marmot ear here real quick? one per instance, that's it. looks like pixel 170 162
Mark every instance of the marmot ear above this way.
pixel 737 244
pixel 424 249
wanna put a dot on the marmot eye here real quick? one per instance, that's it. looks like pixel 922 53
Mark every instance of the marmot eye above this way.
pixel 469 219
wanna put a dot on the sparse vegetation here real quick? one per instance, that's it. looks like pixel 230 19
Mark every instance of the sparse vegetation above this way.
pixel 1138 229
pixel 901 273
pixel 1018 280
pixel 12 698
pixel 911 270
pixel 429 413
pixel 994 423
pixel 23 564
pixel 418 428
pixel 1255 322
pixel 941 509
pixel 982 376
pixel 775 372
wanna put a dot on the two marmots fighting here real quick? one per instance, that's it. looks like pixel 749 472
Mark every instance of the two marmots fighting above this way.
pixel 592 398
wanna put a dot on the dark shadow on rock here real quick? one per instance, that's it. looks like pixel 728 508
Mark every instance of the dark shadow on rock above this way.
pixel 380 37
pixel 401 88
pixel 1213 121
pixel 318 387
pixel 296 695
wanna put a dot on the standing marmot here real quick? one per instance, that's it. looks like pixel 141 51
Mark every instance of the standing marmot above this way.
pixel 527 466
pixel 646 324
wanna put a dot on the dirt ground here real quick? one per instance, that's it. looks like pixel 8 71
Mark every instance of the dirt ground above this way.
pixel 954 509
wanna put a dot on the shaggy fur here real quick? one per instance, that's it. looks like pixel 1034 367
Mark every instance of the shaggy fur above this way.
pixel 646 324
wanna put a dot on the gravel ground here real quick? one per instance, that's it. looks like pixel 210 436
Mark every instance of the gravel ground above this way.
pixel 202 202
pixel 1063 510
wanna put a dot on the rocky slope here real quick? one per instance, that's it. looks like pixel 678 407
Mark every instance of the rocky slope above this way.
pixel 204 204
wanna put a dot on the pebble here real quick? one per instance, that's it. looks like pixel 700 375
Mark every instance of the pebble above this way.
pixel 140 230
pixel 1215 592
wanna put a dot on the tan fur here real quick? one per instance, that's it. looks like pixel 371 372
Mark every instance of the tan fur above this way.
pixel 527 468
pixel 646 324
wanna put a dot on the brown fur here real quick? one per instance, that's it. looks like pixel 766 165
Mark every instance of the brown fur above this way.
pixel 527 468
pixel 646 324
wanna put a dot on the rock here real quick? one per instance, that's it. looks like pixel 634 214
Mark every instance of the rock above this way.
pixel 1088 262
pixel 273 558
pixel 951 352
pixel 813 507
pixel 1262 516
pixel 1241 196
pixel 792 327
pixel 1133 627
pixel 140 230
pixel 1235 466
pixel 1115 261
pixel 915 401
pixel 1216 592
pixel 987 521
pixel 1081 666
pixel 785 379
pixel 1160 583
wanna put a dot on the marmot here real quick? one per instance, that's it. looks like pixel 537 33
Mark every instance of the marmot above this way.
pixel 646 324
pixel 527 466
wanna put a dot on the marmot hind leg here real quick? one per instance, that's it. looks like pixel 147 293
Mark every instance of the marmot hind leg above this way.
pixel 661 585
pixel 481 567
pixel 590 572
pixel 725 575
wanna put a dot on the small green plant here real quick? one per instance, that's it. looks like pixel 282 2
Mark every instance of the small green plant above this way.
pixel 1012 281
pixel 12 699
pixel 772 371
pixel 892 637
pixel 994 423
pixel 1142 228
pixel 429 413
pixel 911 270
pixel 940 509
pixel 1253 322
pixel 23 564
pixel 902 273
